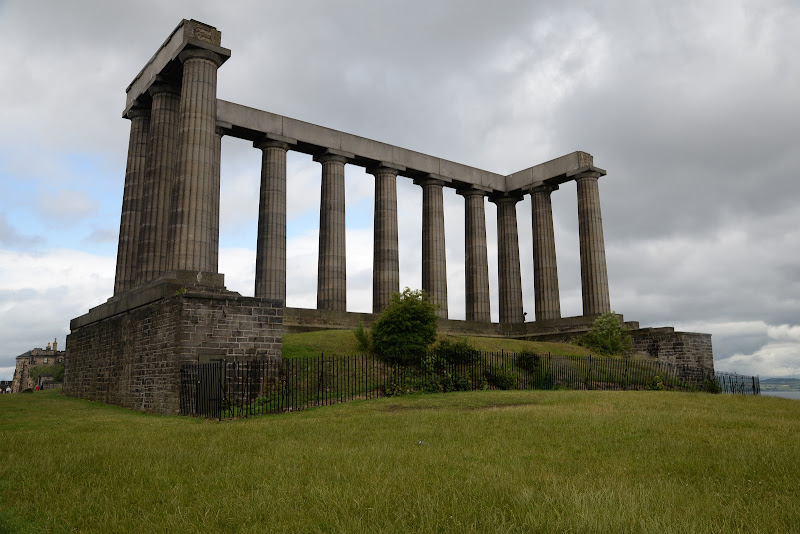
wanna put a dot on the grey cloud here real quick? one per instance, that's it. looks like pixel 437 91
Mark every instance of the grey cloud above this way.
pixel 12 238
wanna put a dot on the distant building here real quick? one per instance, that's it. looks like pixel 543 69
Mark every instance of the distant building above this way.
pixel 35 358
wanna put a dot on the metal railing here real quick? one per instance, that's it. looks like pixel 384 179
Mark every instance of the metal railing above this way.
pixel 223 389
pixel 736 384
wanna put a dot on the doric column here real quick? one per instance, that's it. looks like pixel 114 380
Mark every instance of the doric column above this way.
pixel 476 259
pixel 194 222
pixel 385 257
pixel 162 148
pixel 509 277
pixel 594 277
pixel 215 229
pixel 271 247
pixel 131 219
pixel 545 268
pixel 434 260
pixel 332 266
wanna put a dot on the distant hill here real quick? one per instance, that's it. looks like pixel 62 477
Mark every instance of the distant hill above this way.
pixel 780 384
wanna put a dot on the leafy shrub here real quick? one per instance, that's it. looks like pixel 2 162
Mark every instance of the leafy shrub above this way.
pixel 397 385
pixel 56 371
pixel 456 352
pixel 500 378
pixel 528 361
pixel 406 328
pixel 363 338
pixel 608 335
pixel 657 384
pixel 712 385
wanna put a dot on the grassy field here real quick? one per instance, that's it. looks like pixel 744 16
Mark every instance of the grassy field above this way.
pixel 343 342
pixel 491 461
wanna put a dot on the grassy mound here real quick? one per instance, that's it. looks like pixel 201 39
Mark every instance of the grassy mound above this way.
pixel 574 461
pixel 343 342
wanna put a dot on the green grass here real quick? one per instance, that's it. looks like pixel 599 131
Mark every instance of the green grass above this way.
pixel 343 342
pixel 556 461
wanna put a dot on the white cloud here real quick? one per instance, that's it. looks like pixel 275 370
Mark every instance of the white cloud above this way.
pixel 40 293
pixel 773 359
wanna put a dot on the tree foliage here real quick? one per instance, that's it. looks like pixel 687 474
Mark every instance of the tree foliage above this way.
pixel 406 328
pixel 56 371
pixel 608 335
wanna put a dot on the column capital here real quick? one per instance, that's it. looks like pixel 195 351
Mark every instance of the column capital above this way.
pixel 138 111
pixel 160 87
pixel 422 182
pixel 270 143
pixel 505 198
pixel 385 169
pixel 202 53
pixel 330 155
pixel 544 188
pixel 472 191
pixel 589 171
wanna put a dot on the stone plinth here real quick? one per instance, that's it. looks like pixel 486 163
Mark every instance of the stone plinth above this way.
pixel 128 352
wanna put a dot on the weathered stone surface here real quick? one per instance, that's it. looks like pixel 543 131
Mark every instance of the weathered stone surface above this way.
pixel 132 201
pixel 271 245
pixel 688 349
pixel 162 159
pixel 476 261
pixel 434 259
pixel 509 276
pixel 385 258
pixel 594 277
pixel 188 33
pixel 133 358
pixel 332 267
pixel 545 267
pixel 194 220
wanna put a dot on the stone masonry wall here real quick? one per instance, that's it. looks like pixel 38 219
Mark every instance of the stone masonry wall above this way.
pixel 687 349
pixel 132 359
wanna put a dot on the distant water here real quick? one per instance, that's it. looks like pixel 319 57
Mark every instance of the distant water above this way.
pixel 785 394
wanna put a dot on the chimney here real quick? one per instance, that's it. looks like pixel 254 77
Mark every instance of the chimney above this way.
pixel 55 344
pixel 48 346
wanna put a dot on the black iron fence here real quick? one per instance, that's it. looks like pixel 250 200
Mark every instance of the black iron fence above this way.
pixel 224 389
pixel 736 384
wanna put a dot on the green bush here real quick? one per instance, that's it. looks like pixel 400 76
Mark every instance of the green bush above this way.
pixel 712 385
pixel 608 335
pixel 528 361
pixel 397 385
pixel 406 328
pixel 456 352
pixel 657 384
pixel 363 338
pixel 500 378
pixel 56 371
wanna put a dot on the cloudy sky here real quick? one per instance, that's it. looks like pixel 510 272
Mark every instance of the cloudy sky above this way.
pixel 693 108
